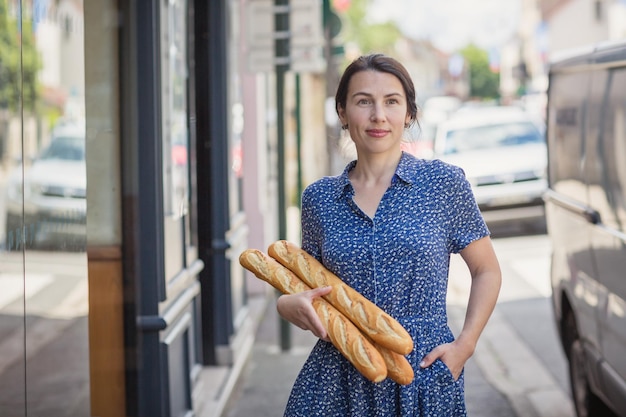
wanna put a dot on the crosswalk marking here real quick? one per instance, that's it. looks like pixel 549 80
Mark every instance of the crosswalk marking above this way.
pixel 15 286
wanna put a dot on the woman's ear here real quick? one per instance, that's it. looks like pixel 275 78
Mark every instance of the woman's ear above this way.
pixel 341 112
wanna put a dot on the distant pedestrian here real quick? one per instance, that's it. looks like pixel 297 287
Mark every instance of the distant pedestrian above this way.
pixel 387 226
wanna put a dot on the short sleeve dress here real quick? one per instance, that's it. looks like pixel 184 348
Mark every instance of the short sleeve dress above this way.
pixel 400 261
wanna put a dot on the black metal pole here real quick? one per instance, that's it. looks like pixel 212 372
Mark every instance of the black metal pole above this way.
pixel 211 80
pixel 300 185
pixel 281 56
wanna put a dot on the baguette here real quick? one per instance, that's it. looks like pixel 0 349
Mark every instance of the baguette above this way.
pixel 367 316
pixel 350 342
pixel 398 367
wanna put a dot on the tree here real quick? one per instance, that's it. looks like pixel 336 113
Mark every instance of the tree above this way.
pixel 484 83
pixel 19 63
pixel 369 38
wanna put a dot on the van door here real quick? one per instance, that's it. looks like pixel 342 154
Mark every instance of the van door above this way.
pixel 606 173
pixel 572 266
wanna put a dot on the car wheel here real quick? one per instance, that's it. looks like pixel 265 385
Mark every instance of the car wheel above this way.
pixel 587 404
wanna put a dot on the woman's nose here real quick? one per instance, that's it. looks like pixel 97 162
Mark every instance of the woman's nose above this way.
pixel 378 113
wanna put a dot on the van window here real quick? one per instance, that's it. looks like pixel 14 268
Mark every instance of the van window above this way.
pixel 607 179
pixel 595 162
pixel 566 126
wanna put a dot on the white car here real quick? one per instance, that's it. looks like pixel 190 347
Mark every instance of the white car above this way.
pixel 503 153
pixel 52 196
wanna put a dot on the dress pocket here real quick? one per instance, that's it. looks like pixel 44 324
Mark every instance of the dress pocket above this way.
pixel 443 375
pixel 440 394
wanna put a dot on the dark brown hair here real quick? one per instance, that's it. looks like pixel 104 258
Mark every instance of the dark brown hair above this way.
pixel 380 63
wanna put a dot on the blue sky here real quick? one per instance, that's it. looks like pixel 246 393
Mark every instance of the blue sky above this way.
pixel 452 24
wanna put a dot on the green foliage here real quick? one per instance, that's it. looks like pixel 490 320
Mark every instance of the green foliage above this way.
pixel 484 83
pixel 369 38
pixel 19 63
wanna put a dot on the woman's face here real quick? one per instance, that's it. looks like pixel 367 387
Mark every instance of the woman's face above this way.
pixel 376 111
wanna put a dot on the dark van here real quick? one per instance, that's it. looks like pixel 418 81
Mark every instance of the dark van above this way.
pixel 586 221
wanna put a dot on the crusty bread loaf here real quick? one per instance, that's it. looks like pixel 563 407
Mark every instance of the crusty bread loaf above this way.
pixel 272 272
pixel 352 344
pixel 372 320
pixel 398 367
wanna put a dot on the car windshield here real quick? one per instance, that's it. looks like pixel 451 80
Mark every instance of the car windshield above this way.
pixel 491 136
pixel 65 148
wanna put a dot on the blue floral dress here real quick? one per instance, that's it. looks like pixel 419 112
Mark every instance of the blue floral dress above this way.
pixel 399 260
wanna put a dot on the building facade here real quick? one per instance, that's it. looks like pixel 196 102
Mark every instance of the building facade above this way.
pixel 138 158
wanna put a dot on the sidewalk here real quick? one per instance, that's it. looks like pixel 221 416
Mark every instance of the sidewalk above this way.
pixel 266 382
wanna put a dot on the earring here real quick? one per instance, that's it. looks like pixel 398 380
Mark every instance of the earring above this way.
pixel 344 127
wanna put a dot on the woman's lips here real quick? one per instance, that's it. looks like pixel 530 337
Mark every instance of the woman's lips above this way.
pixel 377 133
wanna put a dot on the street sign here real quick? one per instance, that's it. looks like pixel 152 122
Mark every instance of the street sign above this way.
pixel 306 38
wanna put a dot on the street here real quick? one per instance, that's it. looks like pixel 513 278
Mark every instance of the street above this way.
pixel 518 369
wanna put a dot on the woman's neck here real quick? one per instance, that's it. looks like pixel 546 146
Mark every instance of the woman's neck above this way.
pixel 375 169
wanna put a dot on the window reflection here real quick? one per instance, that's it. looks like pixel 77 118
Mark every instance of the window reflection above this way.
pixel 43 302
pixel 175 130
pixel 51 195
pixel 13 364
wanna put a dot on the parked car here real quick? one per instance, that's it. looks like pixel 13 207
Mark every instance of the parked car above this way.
pixel 586 219
pixel 503 153
pixel 52 195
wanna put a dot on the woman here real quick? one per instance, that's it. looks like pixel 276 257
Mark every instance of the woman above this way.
pixel 387 227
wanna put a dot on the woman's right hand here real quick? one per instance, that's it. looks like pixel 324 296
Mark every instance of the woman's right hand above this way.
pixel 298 309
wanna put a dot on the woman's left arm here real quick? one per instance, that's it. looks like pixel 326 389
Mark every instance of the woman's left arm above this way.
pixel 486 276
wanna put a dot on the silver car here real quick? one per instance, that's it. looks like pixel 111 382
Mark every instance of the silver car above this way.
pixel 503 153
pixel 52 198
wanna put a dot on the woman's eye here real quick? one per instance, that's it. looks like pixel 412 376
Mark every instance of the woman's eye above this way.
pixel 392 101
pixel 363 101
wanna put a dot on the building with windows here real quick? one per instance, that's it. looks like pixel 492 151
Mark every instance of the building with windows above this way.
pixel 138 158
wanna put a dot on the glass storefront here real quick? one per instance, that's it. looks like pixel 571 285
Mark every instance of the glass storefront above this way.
pixel 166 218
pixel 44 366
